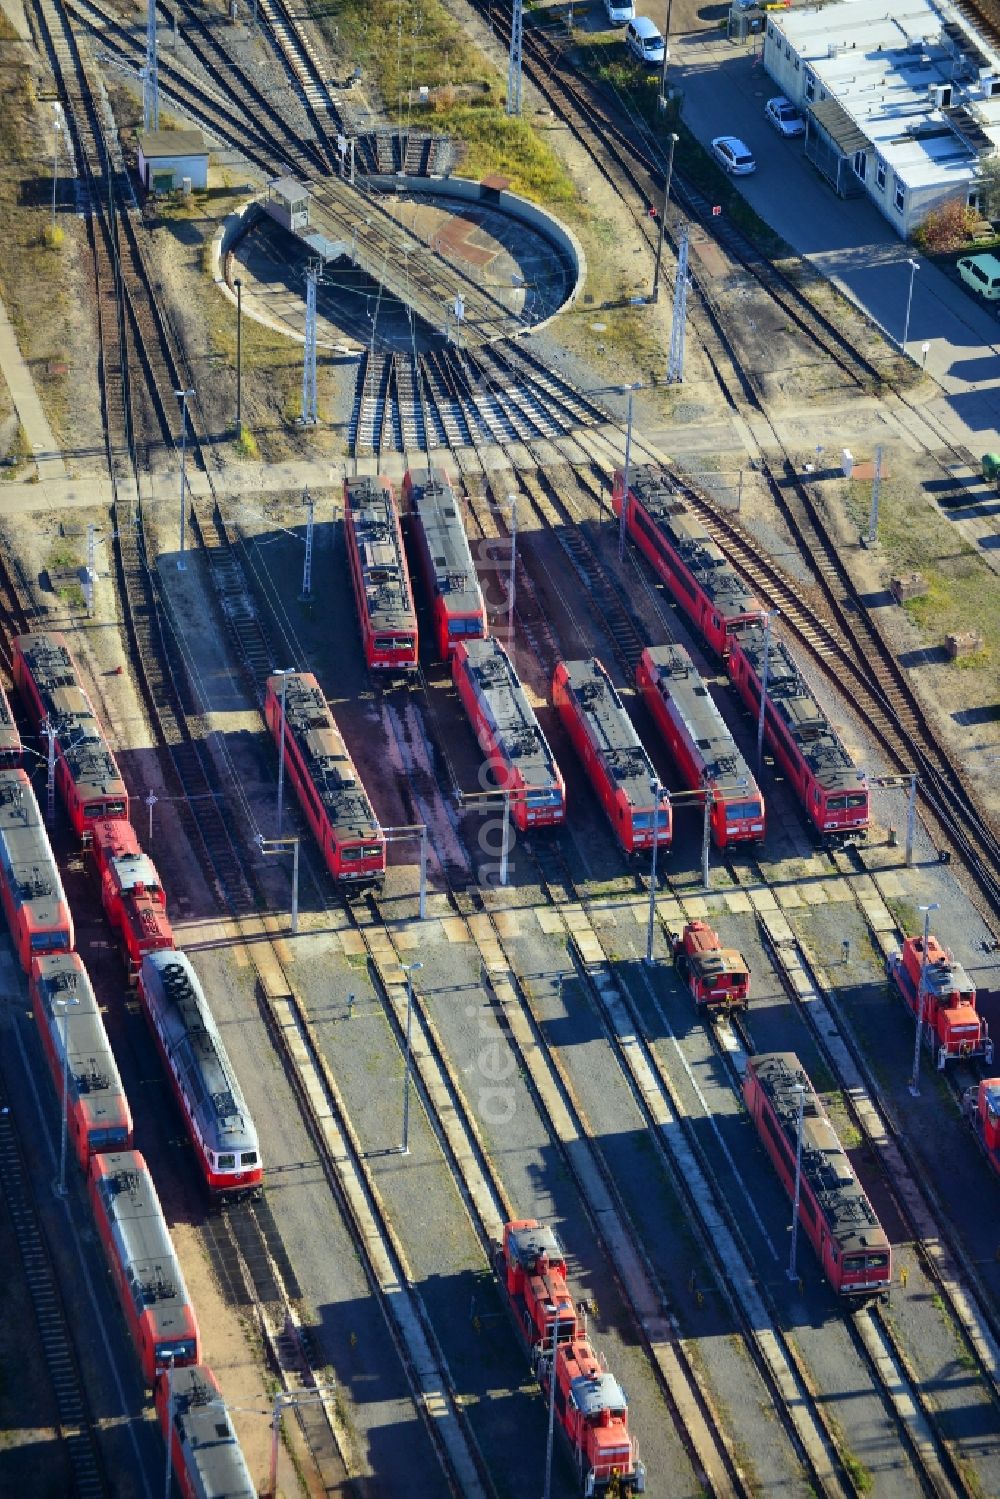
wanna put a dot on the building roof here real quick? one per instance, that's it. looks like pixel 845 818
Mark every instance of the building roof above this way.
pixel 882 64
pixel 155 144
pixel 288 189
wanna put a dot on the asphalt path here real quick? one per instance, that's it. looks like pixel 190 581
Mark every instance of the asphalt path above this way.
pixel 724 90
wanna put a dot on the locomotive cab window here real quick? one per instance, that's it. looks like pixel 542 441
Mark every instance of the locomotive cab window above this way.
pixel 226 1162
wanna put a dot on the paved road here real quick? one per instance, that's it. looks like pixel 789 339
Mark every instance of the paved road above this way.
pixel 29 408
pixel 724 91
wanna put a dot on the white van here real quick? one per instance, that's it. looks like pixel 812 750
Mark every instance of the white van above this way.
pixel 982 273
pixel 644 41
pixel 619 11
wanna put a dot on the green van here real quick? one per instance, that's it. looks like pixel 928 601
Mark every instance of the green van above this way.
pixel 982 273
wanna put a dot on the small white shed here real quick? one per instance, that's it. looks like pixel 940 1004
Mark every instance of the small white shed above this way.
pixel 166 157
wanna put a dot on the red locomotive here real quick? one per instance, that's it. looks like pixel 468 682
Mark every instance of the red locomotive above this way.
pixel 325 780
pixel 619 768
pixel 204 1450
pixel 144 1268
pixel 684 556
pixel 86 774
pixel 112 839
pixel 379 574
pixel 218 1121
pixel 136 907
pixel 699 741
pixel 34 903
pixel 11 749
pixel 835 1214
pixel 508 732
pixel 589 1402
pixel 952 1026
pixel 438 534
pixel 981 1106
pixel 73 1037
pixel 831 788
pixel 717 976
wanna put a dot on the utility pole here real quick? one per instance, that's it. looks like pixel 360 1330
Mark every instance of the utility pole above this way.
pixel 239 356
pixel 90 576
pixel 627 474
pixel 48 729
pixel 64 1004
pixel 675 362
pixel 876 487
pixel 308 560
pixel 58 124
pixel 656 789
pixel 911 819
pixel 512 499
pixel 769 615
pixel 409 970
pixel 314 275
pixel 183 396
pixel 150 80
pixel 514 65
pixel 663 220
pixel 282 672
pixel 921 993
pixel 552 1408
pixel 800 1091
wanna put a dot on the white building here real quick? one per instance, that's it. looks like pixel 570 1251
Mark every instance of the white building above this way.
pixel 166 157
pixel 901 98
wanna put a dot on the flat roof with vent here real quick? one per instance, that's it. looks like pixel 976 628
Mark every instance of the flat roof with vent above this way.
pixel 887 71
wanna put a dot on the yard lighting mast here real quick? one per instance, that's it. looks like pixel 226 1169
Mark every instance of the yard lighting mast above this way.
pixel 800 1092
pixel 769 615
pixel 921 993
pixel 675 363
pixel 150 79
pixel 410 969
pixel 663 218
pixel 314 274
pixel 183 396
pixel 514 66
pixel 627 475
pixel 307 563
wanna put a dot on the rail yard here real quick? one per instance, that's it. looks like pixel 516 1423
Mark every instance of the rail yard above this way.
pixel 500 974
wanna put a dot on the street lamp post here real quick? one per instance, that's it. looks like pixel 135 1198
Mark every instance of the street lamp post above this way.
pixel 915 1079
pixel 663 216
pixel 282 672
pixel 505 836
pixel 59 124
pixel 183 396
pixel 769 615
pixel 410 969
pixel 64 1004
pixel 656 789
pixel 800 1091
pixel 706 827
pixel 239 356
pixel 270 846
pixel 627 475
pixel 662 101
pixel 914 268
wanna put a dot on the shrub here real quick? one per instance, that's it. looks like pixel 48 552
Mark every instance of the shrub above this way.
pixel 946 228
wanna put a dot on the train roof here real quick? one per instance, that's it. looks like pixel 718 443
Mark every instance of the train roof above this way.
pixel 94 1075
pixel 82 743
pixel 795 704
pixel 942 973
pixel 47 654
pixel 25 852
pixel 595 1394
pixel 379 542
pixel 139 1228
pixel 825 1165
pixel 699 553
pixel 611 731
pixel 435 505
pixel 325 757
pixel 677 677
pixel 130 870
pixel 173 991
pixel 530 1242
pixel 10 738
pixel 505 706
pixel 215 1461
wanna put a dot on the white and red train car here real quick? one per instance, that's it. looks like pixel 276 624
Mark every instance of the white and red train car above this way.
pixel 218 1121
pixel 11 748
pixel 616 763
pixel 205 1453
pixel 702 747
pixel 76 1046
pixel 953 1029
pixel 326 783
pixel 147 1277
pixel 442 546
pixel 87 776
pixel 379 574
pixel 836 1216
pixel 682 553
pixel 509 734
pixel 828 784
pixel 981 1106
pixel 589 1402
pixel 718 977
pixel 34 902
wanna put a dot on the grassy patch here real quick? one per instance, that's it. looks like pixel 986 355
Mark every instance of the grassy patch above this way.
pixel 500 144
pixel 246 444
pixel 18 454
pixel 404 49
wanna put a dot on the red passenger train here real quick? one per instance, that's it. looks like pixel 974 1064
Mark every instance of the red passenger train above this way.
pixel 442 546
pixel 589 1402
pixel 699 741
pixel 509 734
pixel 205 1454
pixel 621 772
pixel 831 788
pixel 837 1217
pixel 325 780
pixel 683 554
pixel 953 1029
pixel 75 1041
pixel 86 773
pixel 379 574
pixel 143 1264
pixel 34 902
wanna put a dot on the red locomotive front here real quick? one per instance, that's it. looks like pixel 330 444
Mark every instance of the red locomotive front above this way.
pixel 717 976
pixel 952 1027
pixel 592 1412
